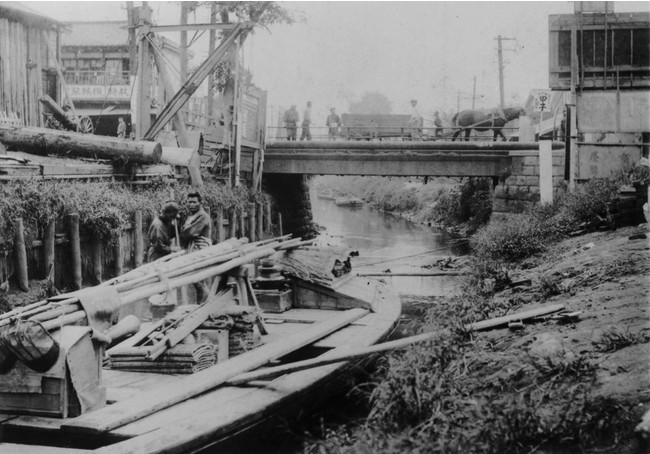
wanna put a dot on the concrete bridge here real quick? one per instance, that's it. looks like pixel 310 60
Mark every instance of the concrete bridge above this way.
pixel 394 158
pixel 513 166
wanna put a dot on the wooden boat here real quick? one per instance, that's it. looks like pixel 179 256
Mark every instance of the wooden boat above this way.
pixel 312 310
pixel 347 201
pixel 326 194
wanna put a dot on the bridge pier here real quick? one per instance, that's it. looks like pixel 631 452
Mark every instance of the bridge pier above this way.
pixel 291 195
pixel 518 188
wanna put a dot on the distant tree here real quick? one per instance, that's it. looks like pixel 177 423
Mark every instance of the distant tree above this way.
pixel 371 103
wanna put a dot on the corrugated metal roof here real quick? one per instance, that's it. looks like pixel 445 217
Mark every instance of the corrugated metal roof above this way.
pixel 21 10
pixel 102 33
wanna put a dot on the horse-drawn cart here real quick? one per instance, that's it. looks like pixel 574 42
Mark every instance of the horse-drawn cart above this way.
pixel 59 118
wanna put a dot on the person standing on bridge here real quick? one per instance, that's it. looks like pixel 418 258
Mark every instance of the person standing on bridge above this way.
pixel 306 122
pixel 415 122
pixel 291 119
pixel 437 122
pixel 333 123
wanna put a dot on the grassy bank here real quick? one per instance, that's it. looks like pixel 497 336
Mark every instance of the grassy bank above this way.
pixel 560 387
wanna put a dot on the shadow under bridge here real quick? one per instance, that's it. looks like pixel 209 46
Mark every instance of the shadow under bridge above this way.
pixel 478 159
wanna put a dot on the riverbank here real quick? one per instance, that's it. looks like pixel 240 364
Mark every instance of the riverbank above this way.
pixel 554 386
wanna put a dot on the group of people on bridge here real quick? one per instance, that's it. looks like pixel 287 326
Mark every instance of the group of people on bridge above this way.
pixel 292 118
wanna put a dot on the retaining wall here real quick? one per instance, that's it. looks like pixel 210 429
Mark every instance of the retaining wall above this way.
pixel 519 189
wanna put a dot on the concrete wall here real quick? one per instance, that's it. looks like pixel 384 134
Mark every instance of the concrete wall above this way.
pixel 520 189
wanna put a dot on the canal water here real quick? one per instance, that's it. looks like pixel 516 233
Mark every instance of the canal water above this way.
pixel 384 242
pixel 391 244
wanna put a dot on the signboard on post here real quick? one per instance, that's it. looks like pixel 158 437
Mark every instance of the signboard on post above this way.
pixel 542 103
pixel 541 100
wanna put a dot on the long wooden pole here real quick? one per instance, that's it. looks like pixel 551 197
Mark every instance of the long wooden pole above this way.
pixel 271 372
pixel 251 222
pixel 260 220
pixel 219 224
pixel 97 246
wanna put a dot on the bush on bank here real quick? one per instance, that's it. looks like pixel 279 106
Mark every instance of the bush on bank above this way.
pixel 104 208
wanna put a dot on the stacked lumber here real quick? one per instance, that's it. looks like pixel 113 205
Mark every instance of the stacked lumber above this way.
pixel 180 359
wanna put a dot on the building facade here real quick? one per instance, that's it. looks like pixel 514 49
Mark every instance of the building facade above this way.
pixel 29 47
pixel 603 60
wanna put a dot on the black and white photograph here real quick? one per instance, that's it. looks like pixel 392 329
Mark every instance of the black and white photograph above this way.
pixel 324 227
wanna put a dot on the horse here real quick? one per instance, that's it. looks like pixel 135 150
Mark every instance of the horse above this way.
pixel 482 121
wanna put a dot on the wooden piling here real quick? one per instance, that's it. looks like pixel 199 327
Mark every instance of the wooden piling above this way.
pixel 96 246
pixel 242 223
pixel 138 245
pixel 232 224
pixel 48 250
pixel 260 220
pixel 267 218
pixel 280 223
pixel 219 225
pixel 119 256
pixel 20 255
pixel 251 222
pixel 75 249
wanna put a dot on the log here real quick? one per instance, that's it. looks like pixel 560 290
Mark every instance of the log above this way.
pixel 414 274
pixel 260 220
pixel 219 225
pixel 66 143
pixel 96 245
pixel 232 224
pixel 500 321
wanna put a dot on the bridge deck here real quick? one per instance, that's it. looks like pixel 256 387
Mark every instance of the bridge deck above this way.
pixel 440 158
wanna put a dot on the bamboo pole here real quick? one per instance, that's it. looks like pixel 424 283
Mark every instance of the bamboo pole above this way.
pixel 20 254
pixel 138 245
pixel 48 250
pixel 270 372
pixel 219 225
pixel 260 220
pixel 96 246
pixel 434 273
pixel 75 249
pixel 146 292
pixel 251 222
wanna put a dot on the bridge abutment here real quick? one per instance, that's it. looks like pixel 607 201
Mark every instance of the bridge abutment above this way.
pixel 519 188
pixel 291 195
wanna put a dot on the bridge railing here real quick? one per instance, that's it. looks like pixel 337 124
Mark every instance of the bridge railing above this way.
pixel 386 133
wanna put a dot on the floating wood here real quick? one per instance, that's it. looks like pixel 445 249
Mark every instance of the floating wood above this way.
pixel 51 141
pixel 150 401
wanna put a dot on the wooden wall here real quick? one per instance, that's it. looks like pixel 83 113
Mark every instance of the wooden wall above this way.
pixel 26 52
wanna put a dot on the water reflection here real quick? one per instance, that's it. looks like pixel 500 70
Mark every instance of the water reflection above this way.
pixel 387 242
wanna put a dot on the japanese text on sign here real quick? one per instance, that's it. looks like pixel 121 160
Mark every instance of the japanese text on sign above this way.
pixel 541 100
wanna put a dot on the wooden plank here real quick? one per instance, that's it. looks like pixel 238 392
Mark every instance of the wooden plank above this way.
pixel 11 448
pixel 499 321
pixel 301 315
pixel 154 400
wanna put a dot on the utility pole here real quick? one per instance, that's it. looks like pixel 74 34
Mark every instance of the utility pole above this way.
pixel 500 54
pixel 211 46
pixel 474 95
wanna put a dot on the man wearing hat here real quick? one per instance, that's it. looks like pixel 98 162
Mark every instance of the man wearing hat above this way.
pixel 162 231
pixel 333 123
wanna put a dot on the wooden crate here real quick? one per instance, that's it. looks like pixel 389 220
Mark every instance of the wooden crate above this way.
pixel 275 300
pixel 26 392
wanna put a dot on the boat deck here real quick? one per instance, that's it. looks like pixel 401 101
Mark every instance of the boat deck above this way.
pixel 220 411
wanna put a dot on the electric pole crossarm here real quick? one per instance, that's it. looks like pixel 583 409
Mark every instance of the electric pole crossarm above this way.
pixel 189 87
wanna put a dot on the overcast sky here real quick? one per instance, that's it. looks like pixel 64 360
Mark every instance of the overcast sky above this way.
pixel 430 51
